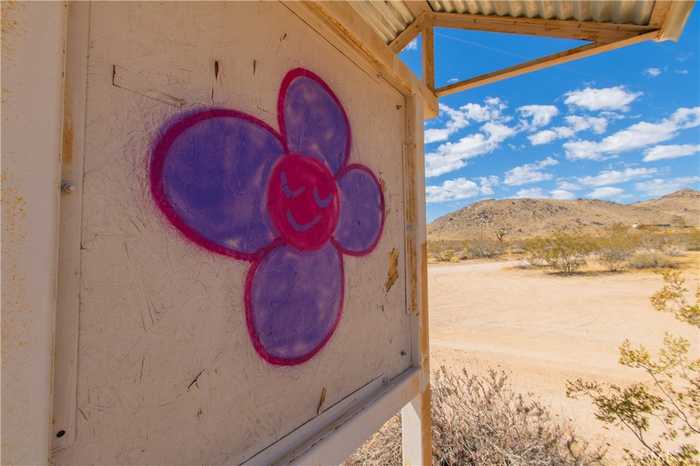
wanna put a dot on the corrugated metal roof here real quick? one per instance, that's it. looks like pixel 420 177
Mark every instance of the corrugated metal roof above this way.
pixel 390 18
pixel 387 18
pixel 622 12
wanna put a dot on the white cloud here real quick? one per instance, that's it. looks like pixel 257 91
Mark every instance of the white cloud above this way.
pixel 451 156
pixel 576 123
pixel 608 98
pixel 486 184
pixel 566 185
pixel 452 80
pixel 413 45
pixel 653 72
pixel 581 123
pixel 607 177
pixel 458 119
pixel 670 151
pixel 531 193
pixel 537 115
pixel 659 187
pixel 605 192
pixel 492 110
pixel 529 173
pixel 435 135
pixel 637 136
pixel 543 137
pixel 460 188
pixel 683 71
pixel 562 194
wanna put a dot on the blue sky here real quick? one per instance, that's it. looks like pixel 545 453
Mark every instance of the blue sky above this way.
pixel 623 126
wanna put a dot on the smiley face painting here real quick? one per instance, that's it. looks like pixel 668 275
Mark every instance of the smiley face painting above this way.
pixel 289 203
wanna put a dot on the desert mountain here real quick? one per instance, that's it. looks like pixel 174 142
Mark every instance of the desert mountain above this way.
pixel 522 218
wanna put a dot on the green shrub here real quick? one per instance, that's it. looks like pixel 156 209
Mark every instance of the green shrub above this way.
pixel 563 251
pixel 615 249
pixel 651 260
pixel 482 421
pixel 669 400
pixel 483 248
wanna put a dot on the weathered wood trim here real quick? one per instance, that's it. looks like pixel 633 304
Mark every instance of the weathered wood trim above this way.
pixel 416 417
pixel 351 28
pixel 418 7
pixel 347 430
pixel 70 228
pixel 544 62
pixel 658 13
pixel 429 57
pixel 567 29
pixel 408 34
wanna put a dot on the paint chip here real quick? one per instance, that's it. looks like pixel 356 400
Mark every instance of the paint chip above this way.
pixel 393 272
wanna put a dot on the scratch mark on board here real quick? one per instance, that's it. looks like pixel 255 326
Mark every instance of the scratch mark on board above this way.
pixel 195 380
pixel 321 401
pixel 393 273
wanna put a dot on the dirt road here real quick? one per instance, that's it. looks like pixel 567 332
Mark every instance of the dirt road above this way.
pixel 546 329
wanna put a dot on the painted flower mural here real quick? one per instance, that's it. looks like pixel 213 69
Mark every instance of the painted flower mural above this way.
pixel 288 202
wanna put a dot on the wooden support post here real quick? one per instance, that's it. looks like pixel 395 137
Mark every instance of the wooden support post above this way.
pixel 429 56
pixel 416 422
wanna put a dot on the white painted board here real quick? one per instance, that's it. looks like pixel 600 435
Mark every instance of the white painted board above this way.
pixel 168 368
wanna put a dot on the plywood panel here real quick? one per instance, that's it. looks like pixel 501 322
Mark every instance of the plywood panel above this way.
pixel 167 370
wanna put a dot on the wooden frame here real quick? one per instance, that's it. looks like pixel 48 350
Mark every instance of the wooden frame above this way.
pixel 666 22
pixel 541 63
pixel 341 428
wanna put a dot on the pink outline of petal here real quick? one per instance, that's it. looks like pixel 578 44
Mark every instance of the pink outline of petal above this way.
pixel 286 82
pixel 382 207
pixel 257 344
pixel 157 164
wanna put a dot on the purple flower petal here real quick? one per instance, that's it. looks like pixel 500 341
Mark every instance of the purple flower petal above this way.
pixel 361 217
pixel 209 176
pixel 294 302
pixel 312 119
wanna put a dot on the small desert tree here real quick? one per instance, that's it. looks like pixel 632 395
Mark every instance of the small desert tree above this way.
pixel 672 395
pixel 501 234
pixel 616 248
pixel 562 251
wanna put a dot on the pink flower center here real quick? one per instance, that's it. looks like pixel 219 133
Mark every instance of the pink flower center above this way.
pixel 302 201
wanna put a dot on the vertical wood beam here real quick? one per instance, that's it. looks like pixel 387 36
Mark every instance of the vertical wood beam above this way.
pixel 429 56
pixel 416 420
pixel 32 74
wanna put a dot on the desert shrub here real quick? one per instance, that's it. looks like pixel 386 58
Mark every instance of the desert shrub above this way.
pixel 562 251
pixel 675 249
pixel 482 421
pixel 481 248
pixel 670 398
pixel 616 248
pixel 535 251
pixel 650 260
pixel 693 240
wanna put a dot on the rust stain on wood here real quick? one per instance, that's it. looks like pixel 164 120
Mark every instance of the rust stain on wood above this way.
pixel 321 401
pixel 393 273
pixel 67 151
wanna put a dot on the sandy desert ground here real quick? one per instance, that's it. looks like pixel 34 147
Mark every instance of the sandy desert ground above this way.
pixel 545 329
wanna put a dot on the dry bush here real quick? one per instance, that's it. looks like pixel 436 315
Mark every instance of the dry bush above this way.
pixel 481 421
pixel 562 251
pixel 615 249
pixel 483 248
pixel 668 400
pixel 651 260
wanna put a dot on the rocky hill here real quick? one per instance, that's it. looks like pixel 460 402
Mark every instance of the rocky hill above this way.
pixel 522 218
